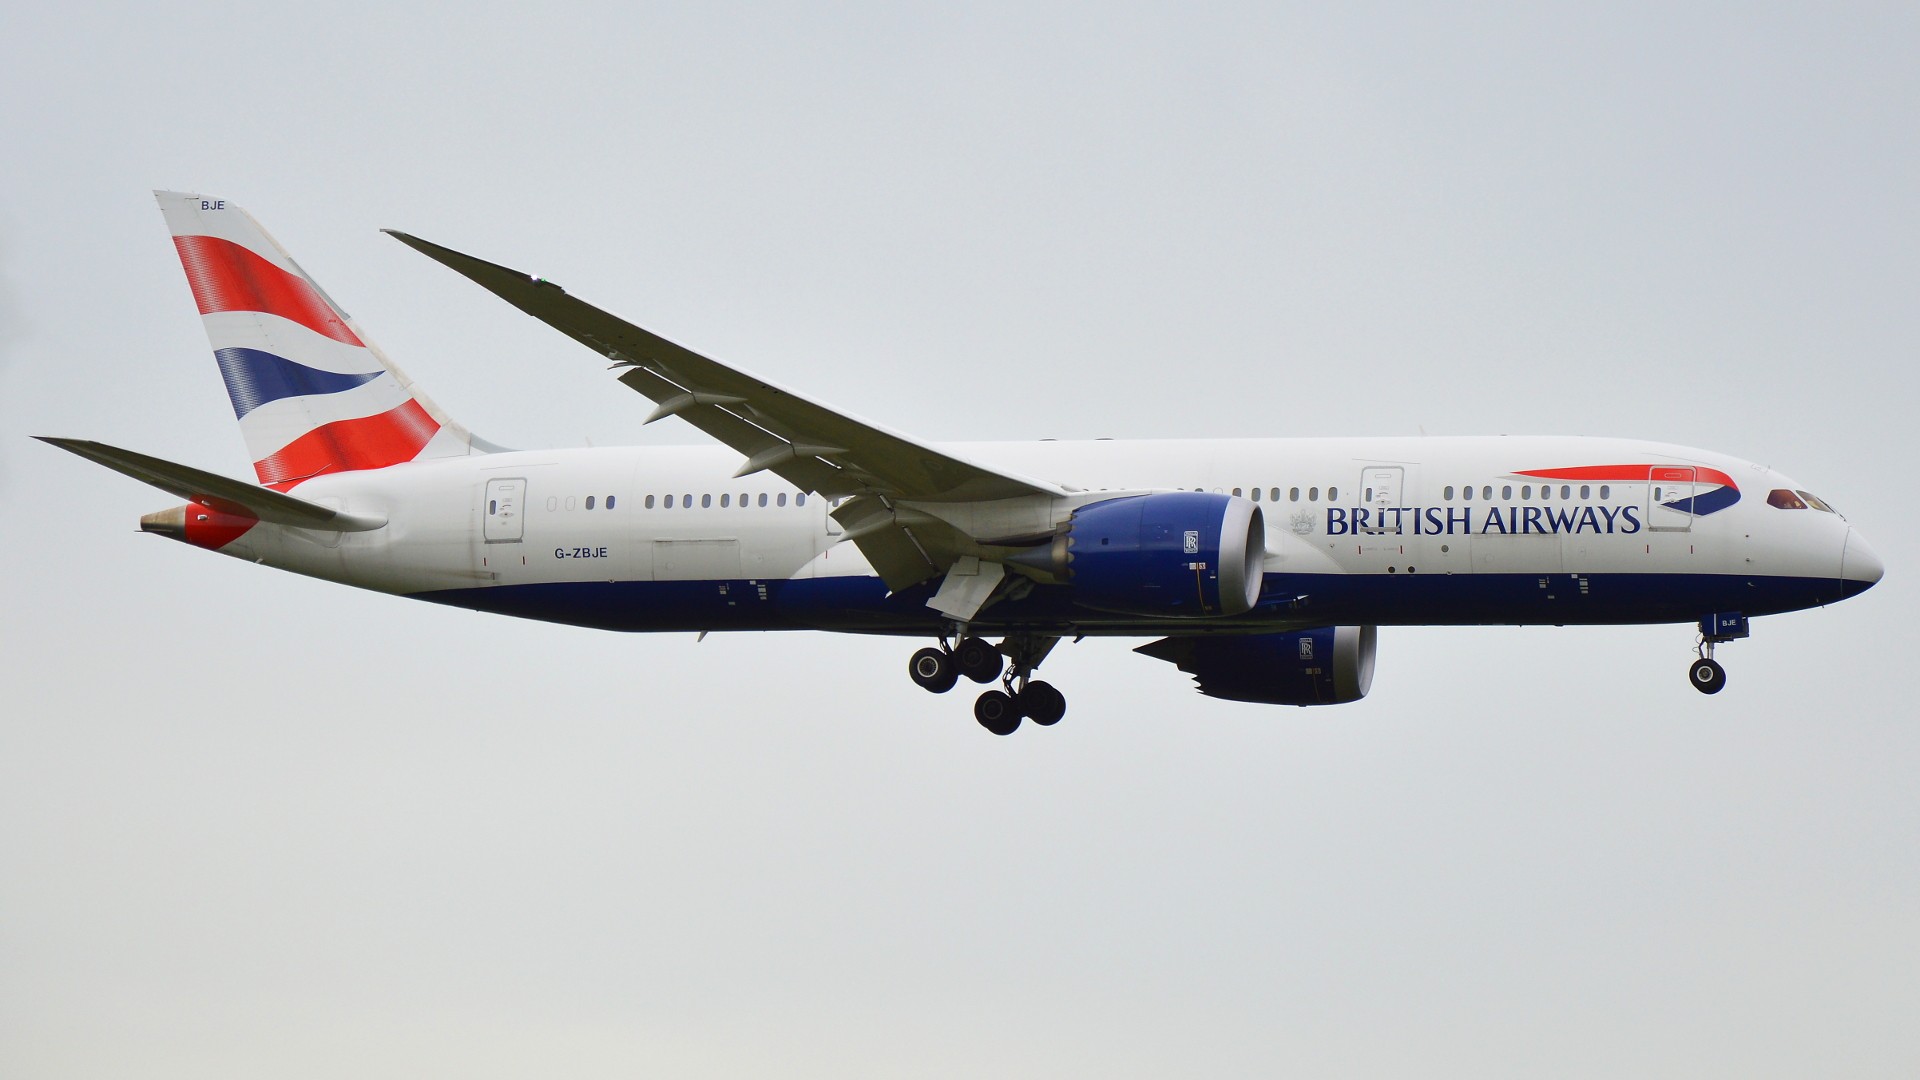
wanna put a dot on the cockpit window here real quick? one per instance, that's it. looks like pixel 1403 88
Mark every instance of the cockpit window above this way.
pixel 1816 502
pixel 1782 499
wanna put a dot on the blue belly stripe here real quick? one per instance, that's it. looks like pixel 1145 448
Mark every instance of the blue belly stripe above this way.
pixel 863 605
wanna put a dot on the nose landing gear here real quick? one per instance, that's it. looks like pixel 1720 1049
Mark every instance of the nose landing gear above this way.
pixel 1707 676
pixel 1705 673
pixel 1012 663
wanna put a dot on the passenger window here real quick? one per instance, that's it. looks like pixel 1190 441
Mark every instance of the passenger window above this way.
pixel 782 500
pixel 725 500
pixel 743 499
pixel 1236 491
pixel 763 498
pixel 1313 494
pixel 1293 494
pixel 686 501
pixel 609 502
pixel 1782 499
pixel 1256 494
pixel 1505 492
pixel 1333 494
pixel 493 506
pixel 569 502
pixel 1816 502
pixel 1586 492
pixel 1566 491
pixel 1447 493
pixel 1526 492
pixel 1487 492
pixel 706 501
pixel 649 502
pixel 1466 493
pixel 552 504
pixel 800 499
pixel 1369 497
pixel 1605 490
pixel 589 502
pixel 669 503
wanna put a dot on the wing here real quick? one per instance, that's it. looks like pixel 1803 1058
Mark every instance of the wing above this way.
pixel 816 448
pixel 220 492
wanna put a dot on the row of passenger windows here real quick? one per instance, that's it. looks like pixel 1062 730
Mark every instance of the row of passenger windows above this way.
pixel 686 501
pixel 1293 494
pixel 1526 492
pixel 1466 493
pixel 553 502
pixel 668 501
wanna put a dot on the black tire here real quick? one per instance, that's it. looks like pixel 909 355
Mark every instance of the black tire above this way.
pixel 1043 704
pixel 997 712
pixel 933 670
pixel 1707 676
pixel 978 660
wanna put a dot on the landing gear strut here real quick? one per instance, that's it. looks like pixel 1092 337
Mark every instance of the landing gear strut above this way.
pixel 1705 673
pixel 1000 711
pixel 1012 663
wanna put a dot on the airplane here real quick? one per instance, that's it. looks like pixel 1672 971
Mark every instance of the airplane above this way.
pixel 1260 567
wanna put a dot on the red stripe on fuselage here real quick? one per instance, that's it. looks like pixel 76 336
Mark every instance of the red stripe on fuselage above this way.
pixel 1631 472
pixel 369 442
pixel 228 277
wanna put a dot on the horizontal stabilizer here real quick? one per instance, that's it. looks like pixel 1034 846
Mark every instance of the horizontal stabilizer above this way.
pixel 220 492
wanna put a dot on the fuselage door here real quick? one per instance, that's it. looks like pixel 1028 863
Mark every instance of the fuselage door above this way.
pixel 1670 499
pixel 505 511
pixel 1380 495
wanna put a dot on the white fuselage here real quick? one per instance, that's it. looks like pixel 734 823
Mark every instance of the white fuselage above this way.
pixel 758 530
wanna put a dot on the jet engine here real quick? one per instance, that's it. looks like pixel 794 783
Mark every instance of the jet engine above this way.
pixel 1330 665
pixel 1181 554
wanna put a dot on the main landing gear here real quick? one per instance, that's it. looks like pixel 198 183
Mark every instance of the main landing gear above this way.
pixel 999 711
pixel 1705 673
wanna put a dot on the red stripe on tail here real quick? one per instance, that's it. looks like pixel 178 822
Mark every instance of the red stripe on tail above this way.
pixel 228 277
pixel 370 442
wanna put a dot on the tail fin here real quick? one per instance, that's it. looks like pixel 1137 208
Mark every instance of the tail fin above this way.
pixel 312 394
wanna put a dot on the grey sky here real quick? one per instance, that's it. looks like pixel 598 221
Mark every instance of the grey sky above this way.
pixel 253 825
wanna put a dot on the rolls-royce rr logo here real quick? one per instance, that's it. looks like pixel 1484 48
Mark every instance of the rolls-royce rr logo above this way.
pixel 1193 542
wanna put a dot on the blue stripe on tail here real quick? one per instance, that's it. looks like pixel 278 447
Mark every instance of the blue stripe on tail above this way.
pixel 254 378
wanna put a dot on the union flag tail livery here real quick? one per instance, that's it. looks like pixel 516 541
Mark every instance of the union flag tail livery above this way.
pixel 1263 566
pixel 313 395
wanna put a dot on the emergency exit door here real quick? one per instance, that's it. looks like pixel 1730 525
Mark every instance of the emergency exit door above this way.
pixel 1670 499
pixel 505 511
pixel 1380 495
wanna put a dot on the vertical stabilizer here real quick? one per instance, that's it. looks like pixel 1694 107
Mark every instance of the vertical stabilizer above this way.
pixel 313 395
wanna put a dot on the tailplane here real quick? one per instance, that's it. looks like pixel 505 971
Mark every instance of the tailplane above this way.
pixel 313 395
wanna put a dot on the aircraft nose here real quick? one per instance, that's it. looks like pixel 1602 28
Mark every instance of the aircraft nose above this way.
pixel 1860 568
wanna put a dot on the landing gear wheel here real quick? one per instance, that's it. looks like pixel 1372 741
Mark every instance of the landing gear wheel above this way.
pixel 978 660
pixel 933 670
pixel 997 712
pixel 1707 676
pixel 1042 703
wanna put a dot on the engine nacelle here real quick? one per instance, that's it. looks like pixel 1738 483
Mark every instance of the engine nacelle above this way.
pixel 1182 554
pixel 1330 665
